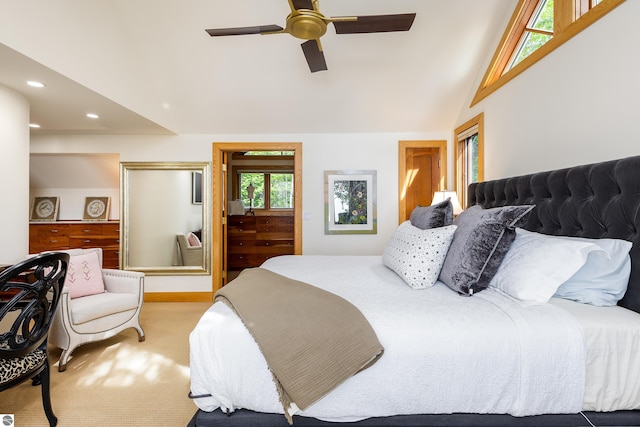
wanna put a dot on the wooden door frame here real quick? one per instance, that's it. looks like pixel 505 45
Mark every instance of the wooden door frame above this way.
pixel 403 146
pixel 217 241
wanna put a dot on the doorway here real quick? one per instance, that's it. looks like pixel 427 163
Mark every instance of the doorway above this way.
pixel 220 152
pixel 422 170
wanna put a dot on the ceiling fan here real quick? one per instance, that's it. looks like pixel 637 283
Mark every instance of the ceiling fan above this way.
pixel 307 23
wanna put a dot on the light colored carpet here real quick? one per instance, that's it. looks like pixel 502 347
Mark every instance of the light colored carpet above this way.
pixel 120 381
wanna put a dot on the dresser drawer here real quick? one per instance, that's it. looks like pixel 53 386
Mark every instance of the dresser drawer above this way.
pixel 93 242
pixel 44 233
pixel 238 246
pixel 111 230
pixel 274 222
pixel 55 244
pixel 272 228
pixel 111 258
pixel 240 261
pixel 280 247
pixel 274 235
pixel 238 223
pixel 79 230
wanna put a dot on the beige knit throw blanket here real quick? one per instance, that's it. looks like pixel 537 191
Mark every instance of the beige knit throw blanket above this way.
pixel 311 339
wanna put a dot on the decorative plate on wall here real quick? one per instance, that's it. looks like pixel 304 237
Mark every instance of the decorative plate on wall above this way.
pixel 45 208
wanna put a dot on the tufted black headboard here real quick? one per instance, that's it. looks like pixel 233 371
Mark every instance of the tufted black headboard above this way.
pixel 596 201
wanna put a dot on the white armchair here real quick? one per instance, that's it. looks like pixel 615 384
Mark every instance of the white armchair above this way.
pixel 188 253
pixel 83 319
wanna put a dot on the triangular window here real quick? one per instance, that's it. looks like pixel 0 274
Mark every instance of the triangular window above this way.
pixel 536 28
pixel 537 32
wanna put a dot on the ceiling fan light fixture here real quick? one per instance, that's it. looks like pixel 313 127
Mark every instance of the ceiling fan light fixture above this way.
pixel 306 25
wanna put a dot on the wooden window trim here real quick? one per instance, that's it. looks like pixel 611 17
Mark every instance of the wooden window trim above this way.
pixel 458 152
pixel 494 79
pixel 267 170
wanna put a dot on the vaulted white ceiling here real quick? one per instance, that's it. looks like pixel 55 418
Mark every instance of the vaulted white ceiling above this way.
pixel 148 66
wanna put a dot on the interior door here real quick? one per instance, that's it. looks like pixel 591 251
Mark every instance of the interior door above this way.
pixel 421 172
pixel 424 177
pixel 220 178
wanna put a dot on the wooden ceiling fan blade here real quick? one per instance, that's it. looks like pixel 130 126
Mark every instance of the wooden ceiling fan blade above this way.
pixel 239 31
pixel 313 54
pixel 302 4
pixel 376 24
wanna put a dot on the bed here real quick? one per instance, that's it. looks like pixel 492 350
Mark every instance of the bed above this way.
pixel 491 359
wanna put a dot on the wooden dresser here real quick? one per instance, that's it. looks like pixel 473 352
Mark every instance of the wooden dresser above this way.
pixel 251 240
pixel 48 236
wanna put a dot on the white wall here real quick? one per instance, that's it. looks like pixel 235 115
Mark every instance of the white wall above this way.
pixel 578 105
pixel 320 152
pixel 73 177
pixel 14 176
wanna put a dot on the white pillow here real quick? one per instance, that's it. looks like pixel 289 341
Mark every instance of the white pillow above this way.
pixel 417 255
pixel 537 264
pixel 603 280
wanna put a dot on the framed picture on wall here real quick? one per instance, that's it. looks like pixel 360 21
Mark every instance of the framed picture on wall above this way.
pixel 96 209
pixel 45 208
pixel 350 202
pixel 196 188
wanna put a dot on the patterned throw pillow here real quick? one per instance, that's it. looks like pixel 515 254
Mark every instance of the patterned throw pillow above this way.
pixel 84 275
pixel 417 255
pixel 479 246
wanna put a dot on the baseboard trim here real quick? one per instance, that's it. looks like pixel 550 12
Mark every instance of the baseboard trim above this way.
pixel 178 297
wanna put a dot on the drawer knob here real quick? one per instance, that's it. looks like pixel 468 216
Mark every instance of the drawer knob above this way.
pixel 54 230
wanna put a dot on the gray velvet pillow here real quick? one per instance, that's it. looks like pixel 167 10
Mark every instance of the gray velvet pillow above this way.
pixel 479 245
pixel 433 216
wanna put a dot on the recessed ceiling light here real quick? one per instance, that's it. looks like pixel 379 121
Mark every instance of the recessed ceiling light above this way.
pixel 34 83
pixel 93 116
pixel 34 125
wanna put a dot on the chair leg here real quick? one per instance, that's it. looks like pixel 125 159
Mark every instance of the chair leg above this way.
pixel 64 358
pixel 141 336
pixel 46 395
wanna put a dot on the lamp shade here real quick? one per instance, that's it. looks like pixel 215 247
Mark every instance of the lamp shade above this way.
pixel 441 196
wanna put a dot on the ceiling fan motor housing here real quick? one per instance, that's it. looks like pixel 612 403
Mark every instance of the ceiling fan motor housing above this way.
pixel 306 25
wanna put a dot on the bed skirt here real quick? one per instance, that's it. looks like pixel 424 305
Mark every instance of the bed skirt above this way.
pixel 246 418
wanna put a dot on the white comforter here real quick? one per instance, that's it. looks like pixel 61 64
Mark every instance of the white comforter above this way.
pixel 444 353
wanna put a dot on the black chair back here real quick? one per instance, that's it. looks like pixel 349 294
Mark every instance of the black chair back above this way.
pixel 32 289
